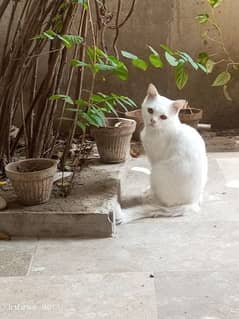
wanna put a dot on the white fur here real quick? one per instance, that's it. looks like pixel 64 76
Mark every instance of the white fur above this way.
pixel 177 156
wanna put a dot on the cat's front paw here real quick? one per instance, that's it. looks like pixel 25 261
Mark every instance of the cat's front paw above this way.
pixel 166 214
pixel 119 215
pixel 123 219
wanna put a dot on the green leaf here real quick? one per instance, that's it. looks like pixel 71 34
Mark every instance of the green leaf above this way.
pixel 81 125
pixel 155 60
pixel 215 3
pixel 235 66
pixel 78 63
pixel 210 65
pixel 81 102
pixel 202 61
pixel 49 34
pixel 129 55
pixel 167 49
pixel 111 108
pixel 122 73
pixel 171 59
pixel 62 97
pixel 202 18
pixel 97 98
pixel 100 53
pixel 181 76
pixel 222 79
pixel 65 41
pixel 90 119
pixel 104 67
pixel 130 101
pixel 202 67
pixel 84 3
pixel 136 61
pixel 140 64
pixel 118 100
pixel 99 111
pixel 188 58
pixel 95 117
pixel 121 70
pixel 90 53
pixel 226 93
pixel 127 100
pixel 123 101
pixel 153 50
pixel 114 61
pixel 203 58
pixel 69 40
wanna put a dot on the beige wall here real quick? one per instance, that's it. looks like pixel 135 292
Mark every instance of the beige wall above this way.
pixel 173 22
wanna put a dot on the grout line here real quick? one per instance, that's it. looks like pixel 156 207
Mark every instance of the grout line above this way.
pixel 155 296
pixel 32 258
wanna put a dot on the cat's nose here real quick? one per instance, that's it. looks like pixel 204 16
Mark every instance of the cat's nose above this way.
pixel 153 121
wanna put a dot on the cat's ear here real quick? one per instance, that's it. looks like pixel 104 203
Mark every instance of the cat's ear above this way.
pixel 152 91
pixel 179 104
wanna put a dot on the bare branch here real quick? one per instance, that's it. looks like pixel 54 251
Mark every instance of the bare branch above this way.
pixel 117 29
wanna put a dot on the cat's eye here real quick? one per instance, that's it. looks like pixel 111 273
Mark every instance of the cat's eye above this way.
pixel 163 117
pixel 150 110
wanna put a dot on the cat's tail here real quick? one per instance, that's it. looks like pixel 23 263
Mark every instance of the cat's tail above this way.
pixel 174 211
pixel 150 211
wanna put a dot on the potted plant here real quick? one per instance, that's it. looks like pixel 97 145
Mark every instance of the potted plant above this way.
pixel 136 115
pixel 32 179
pixel 112 135
pixel 179 61
pixel 190 116
pixel 113 139
pixel 72 30
pixel 212 32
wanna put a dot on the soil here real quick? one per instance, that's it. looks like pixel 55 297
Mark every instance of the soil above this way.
pixel 91 188
pixel 22 169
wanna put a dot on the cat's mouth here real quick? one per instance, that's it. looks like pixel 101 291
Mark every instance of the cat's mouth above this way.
pixel 152 125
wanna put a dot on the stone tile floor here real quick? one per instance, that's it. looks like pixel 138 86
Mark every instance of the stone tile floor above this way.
pixel 182 268
pixel 222 141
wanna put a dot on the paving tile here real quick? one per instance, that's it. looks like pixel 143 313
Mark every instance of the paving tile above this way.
pixel 150 246
pixel 16 256
pixel 197 295
pixel 87 296
pixel 14 263
pixel 220 197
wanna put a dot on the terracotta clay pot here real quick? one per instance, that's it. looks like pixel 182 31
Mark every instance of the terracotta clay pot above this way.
pixel 191 116
pixel 136 115
pixel 32 179
pixel 113 140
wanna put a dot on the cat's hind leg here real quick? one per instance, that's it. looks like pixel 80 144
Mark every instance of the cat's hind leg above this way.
pixel 175 211
pixel 133 213
pixel 147 211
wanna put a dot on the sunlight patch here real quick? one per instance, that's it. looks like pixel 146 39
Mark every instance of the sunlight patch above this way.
pixel 233 183
pixel 141 170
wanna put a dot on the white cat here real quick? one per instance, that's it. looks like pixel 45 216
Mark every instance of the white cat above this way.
pixel 177 156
